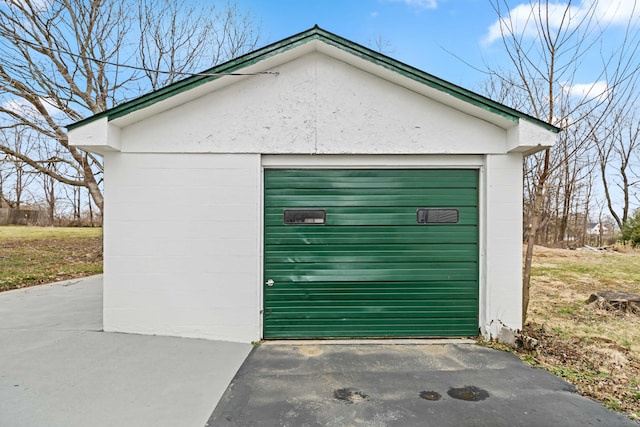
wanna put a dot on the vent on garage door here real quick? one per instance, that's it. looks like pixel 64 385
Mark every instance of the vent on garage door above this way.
pixel 371 253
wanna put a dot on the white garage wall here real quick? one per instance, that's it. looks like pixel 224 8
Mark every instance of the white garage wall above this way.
pixel 501 291
pixel 182 245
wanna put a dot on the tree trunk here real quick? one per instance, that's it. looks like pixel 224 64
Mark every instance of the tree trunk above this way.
pixel 533 231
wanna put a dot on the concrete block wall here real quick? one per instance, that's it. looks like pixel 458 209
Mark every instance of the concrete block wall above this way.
pixel 182 244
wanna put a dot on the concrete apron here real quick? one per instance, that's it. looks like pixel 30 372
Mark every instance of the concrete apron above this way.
pixel 446 384
pixel 57 367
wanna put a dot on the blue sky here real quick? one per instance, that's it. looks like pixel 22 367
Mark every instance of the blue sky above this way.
pixel 447 38
pixel 416 32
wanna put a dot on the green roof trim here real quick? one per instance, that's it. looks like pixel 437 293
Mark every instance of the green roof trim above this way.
pixel 315 33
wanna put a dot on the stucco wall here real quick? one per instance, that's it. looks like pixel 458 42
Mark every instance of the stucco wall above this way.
pixel 182 244
pixel 316 105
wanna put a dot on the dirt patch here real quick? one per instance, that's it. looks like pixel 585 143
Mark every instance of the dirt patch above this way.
pixel 309 350
pixel 599 367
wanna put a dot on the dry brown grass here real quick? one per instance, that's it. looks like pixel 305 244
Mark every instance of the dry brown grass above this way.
pixel 597 350
pixel 34 255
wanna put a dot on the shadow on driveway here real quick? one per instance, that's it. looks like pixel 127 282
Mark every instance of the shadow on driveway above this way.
pixel 400 385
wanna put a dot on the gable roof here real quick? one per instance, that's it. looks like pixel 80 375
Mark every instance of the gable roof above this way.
pixel 235 67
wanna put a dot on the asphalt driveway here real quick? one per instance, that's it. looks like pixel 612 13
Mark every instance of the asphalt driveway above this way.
pixel 400 385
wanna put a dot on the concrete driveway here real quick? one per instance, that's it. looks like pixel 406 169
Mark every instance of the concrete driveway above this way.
pixel 58 369
pixel 400 385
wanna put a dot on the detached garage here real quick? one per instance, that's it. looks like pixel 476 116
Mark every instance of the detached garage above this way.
pixel 312 189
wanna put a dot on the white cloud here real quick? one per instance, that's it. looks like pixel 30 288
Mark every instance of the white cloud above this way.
pixel 51 108
pixel 37 5
pixel 593 90
pixel 15 106
pixel 426 4
pixel 521 19
pixel 422 4
pixel 614 12
pixel 23 107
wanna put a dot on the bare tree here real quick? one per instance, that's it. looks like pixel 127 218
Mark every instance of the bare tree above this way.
pixel 618 148
pixel 569 164
pixel 50 195
pixel 381 44
pixel 21 175
pixel 175 38
pixel 546 44
pixel 5 174
pixel 63 60
pixel 573 173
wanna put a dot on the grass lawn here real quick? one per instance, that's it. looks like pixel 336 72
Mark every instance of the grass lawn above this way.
pixel 595 349
pixel 35 255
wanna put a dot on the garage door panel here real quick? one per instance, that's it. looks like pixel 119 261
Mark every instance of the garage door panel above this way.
pixel 365 216
pixel 439 199
pixel 366 183
pixel 295 291
pixel 369 322
pixel 369 275
pixel 380 313
pixel 365 328
pixel 371 270
pixel 367 297
pixel 315 272
pixel 368 235
pixel 357 179
pixel 375 253
pixel 387 307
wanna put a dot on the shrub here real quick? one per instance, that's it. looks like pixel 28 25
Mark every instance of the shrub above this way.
pixel 631 230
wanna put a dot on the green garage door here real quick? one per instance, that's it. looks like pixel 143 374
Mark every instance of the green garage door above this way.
pixel 371 253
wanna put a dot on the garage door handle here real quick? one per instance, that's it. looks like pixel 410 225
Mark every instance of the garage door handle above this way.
pixel 270 282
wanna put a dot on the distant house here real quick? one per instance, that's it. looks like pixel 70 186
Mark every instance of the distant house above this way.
pixel 596 228
pixel 319 190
